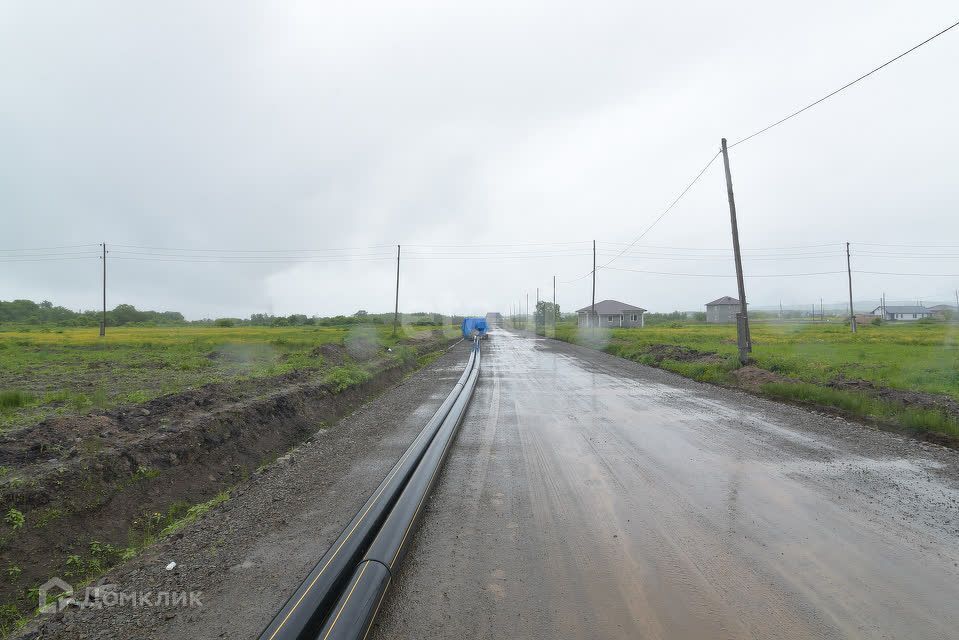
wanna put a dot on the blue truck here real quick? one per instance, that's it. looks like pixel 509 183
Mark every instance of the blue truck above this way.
pixel 474 327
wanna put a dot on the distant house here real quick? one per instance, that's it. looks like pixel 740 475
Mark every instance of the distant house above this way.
pixel 494 317
pixel 908 312
pixel 942 310
pixel 611 313
pixel 722 310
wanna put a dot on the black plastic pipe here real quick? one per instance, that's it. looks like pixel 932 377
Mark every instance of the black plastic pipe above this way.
pixel 303 614
pixel 357 607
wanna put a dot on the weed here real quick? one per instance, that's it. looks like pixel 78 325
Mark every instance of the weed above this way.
pixel 145 473
pixel 860 404
pixel 76 567
pixel 346 376
pixel 44 517
pixel 13 572
pixel 406 355
pixel 15 519
pixel 195 512
pixel 13 399
pixel 10 619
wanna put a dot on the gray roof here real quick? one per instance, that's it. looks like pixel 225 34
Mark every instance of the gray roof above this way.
pixel 942 307
pixel 611 306
pixel 903 309
pixel 724 300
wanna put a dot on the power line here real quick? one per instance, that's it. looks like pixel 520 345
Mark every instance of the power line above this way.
pixel 908 246
pixel 718 275
pixel 883 254
pixel 804 246
pixel 241 260
pixel 25 259
pixel 248 257
pixel 931 275
pixel 66 246
pixel 844 87
pixel 521 244
pixel 663 214
pixel 205 250
pixel 665 256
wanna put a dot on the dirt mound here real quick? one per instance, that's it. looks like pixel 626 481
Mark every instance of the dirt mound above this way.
pixel 920 399
pixel 753 378
pixel 331 353
pixel 660 352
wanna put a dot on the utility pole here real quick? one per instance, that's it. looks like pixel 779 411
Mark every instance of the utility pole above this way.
pixel 554 302
pixel 396 304
pixel 535 319
pixel 742 319
pixel 526 320
pixel 822 311
pixel 852 312
pixel 592 306
pixel 103 321
pixel 780 310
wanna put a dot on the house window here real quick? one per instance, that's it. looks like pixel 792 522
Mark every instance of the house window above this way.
pixel 634 317
pixel 913 315
pixel 610 318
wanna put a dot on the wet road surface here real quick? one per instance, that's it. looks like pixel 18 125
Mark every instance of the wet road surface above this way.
pixel 590 497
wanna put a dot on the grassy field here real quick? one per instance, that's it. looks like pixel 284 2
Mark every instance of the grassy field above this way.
pixel 813 360
pixel 53 371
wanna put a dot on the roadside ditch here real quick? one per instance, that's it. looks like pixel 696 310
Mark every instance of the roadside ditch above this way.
pixel 79 495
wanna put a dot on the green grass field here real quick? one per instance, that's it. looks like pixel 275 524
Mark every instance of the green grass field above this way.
pixel 914 357
pixel 52 371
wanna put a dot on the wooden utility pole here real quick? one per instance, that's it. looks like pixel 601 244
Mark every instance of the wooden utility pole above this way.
pixel 103 320
pixel 396 304
pixel 852 312
pixel 536 310
pixel 592 306
pixel 742 319
pixel 554 303
pixel 526 320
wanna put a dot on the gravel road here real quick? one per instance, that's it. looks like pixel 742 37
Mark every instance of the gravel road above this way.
pixel 591 497
pixel 587 497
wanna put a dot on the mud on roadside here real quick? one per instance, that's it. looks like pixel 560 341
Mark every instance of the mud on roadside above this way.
pixel 79 494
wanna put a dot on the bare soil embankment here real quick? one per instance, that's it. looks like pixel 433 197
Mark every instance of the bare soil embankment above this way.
pixel 81 494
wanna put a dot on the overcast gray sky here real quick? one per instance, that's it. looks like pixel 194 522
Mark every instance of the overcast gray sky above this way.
pixel 305 125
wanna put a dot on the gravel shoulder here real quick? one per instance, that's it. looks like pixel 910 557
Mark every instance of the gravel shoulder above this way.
pixel 249 553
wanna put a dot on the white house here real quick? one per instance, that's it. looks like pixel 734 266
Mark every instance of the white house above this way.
pixel 908 313
pixel 611 313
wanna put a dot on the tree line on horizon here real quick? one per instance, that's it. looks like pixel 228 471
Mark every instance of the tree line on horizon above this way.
pixel 46 313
